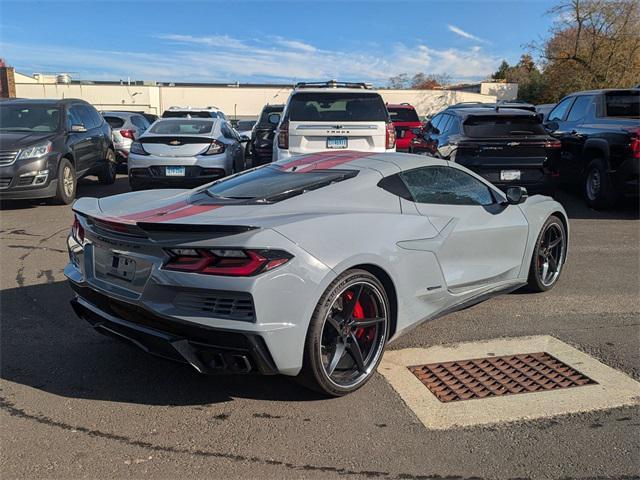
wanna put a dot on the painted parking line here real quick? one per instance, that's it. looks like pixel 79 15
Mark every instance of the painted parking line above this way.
pixel 610 388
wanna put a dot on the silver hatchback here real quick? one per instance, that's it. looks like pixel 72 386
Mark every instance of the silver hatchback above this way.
pixel 185 153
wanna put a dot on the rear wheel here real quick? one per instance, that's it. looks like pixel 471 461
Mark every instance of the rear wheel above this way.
pixel 66 183
pixel 107 175
pixel 347 334
pixel 599 191
pixel 548 256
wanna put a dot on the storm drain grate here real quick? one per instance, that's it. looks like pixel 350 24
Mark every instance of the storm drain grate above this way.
pixel 498 376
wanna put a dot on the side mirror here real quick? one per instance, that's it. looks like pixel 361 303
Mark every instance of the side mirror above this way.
pixel 274 119
pixel 78 128
pixel 552 126
pixel 516 195
pixel 244 139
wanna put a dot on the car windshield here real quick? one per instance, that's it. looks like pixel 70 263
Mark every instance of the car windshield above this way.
pixel 623 104
pixel 178 127
pixel 341 107
pixel 29 118
pixel 272 183
pixel 502 126
pixel 403 115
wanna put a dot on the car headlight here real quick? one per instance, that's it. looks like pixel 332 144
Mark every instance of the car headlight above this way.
pixel 36 151
pixel 137 149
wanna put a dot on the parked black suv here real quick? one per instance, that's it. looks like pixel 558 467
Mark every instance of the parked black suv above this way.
pixel 46 145
pixel 600 135
pixel 261 145
pixel 507 146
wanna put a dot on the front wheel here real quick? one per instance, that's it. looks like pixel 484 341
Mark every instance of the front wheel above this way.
pixel 107 174
pixel 548 256
pixel 347 334
pixel 66 183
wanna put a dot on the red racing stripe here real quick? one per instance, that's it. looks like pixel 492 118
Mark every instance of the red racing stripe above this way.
pixel 333 162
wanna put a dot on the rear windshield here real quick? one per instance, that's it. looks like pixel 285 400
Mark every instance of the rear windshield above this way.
pixel 623 104
pixel 341 107
pixel 264 117
pixel 245 124
pixel 29 118
pixel 403 115
pixel 186 126
pixel 502 126
pixel 194 114
pixel 114 122
pixel 272 183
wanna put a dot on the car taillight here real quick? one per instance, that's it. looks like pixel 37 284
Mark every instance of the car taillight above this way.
pixel 553 144
pixel 77 230
pixel 231 262
pixel 215 148
pixel 283 135
pixel 128 134
pixel 390 137
pixel 635 143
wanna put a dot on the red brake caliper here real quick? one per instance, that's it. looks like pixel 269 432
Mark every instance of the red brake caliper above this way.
pixel 358 312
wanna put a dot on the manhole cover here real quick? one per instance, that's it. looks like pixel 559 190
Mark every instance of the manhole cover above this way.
pixel 497 376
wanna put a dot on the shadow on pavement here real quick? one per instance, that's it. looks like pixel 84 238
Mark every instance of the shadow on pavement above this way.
pixel 87 187
pixel 45 346
pixel 574 204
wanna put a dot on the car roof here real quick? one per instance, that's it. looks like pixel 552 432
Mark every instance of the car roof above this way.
pixel 273 107
pixel 44 101
pixel 489 112
pixel 401 105
pixel 335 90
pixel 121 114
pixel 603 91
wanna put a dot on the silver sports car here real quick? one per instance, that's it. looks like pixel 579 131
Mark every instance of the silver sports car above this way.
pixel 185 152
pixel 309 266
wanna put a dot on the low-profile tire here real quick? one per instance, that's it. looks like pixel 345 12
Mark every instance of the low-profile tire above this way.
pixel 134 185
pixel 107 174
pixel 599 191
pixel 66 183
pixel 347 334
pixel 548 256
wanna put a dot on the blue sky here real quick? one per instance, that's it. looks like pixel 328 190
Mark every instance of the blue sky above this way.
pixel 267 41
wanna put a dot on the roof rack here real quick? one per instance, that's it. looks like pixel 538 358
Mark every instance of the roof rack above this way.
pixel 333 84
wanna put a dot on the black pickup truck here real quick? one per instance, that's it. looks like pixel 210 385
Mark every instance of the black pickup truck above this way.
pixel 600 135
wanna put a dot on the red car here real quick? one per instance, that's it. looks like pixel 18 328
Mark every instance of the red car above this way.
pixel 405 119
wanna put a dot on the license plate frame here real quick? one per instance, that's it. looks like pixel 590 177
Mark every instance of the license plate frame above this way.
pixel 337 143
pixel 171 171
pixel 510 175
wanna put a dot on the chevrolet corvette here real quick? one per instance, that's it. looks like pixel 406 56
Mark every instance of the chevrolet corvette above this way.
pixel 309 266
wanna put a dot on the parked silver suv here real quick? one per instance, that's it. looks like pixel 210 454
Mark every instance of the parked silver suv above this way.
pixel 125 128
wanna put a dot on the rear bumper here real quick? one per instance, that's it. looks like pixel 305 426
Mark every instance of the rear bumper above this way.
pixel 208 350
pixel 626 176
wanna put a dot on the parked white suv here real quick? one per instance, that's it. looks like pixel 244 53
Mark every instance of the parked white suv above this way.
pixel 194 112
pixel 333 116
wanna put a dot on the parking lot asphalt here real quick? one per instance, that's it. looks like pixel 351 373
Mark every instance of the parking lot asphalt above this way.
pixel 75 404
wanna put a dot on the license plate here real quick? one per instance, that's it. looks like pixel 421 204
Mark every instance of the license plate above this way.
pixel 510 175
pixel 123 268
pixel 337 142
pixel 174 171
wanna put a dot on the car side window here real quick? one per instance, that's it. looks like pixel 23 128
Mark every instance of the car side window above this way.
pixel 73 117
pixel 454 126
pixel 557 114
pixel 88 120
pixel 445 186
pixel 226 132
pixel 435 121
pixel 579 108
pixel 444 124
pixel 140 122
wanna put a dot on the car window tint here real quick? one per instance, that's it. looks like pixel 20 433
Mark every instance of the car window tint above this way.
pixel 444 124
pixel 446 185
pixel 403 114
pixel 114 122
pixel 185 126
pixel 579 108
pixel 85 117
pixel 140 122
pixel 73 117
pixel 226 132
pixel 624 104
pixel 557 114
pixel 487 126
pixel 344 107
pixel 454 126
